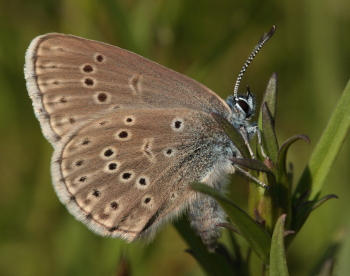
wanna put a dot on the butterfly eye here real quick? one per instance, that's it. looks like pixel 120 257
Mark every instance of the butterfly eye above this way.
pixel 244 105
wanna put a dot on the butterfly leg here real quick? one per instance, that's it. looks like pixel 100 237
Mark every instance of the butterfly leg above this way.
pixel 248 133
pixel 247 174
pixel 258 133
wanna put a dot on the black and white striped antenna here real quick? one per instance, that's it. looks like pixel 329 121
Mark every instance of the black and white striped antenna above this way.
pixel 257 48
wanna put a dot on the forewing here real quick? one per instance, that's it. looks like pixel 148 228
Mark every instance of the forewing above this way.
pixel 72 80
pixel 128 172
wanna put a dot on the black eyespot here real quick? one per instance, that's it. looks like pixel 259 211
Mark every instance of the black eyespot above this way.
pixel 147 200
pixel 102 97
pixel 99 58
pixel 112 166
pixel 142 181
pixel 88 68
pixel 123 134
pixel 244 105
pixel 89 82
pixel 177 124
pixel 126 175
pixel 114 205
pixel 108 153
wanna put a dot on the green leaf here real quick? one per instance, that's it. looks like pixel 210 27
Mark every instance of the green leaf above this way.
pixel 327 148
pixel 282 158
pixel 268 133
pixel 270 96
pixel 255 235
pixel 343 264
pixel 278 262
pixel 212 264
pixel 270 102
pixel 319 202
pixel 251 164
pixel 233 134
pixel 230 227
pixel 283 188
pixel 304 209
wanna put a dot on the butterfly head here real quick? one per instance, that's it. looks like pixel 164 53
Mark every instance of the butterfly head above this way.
pixel 242 107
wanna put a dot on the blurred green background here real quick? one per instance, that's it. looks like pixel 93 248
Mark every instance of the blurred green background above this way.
pixel 208 41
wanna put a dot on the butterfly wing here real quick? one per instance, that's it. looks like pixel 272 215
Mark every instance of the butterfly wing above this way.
pixel 72 80
pixel 126 173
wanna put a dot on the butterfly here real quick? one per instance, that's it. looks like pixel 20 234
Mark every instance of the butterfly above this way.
pixel 129 135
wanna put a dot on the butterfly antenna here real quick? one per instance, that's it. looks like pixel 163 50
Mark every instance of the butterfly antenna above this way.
pixel 263 40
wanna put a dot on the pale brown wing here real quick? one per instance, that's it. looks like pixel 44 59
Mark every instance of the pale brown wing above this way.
pixel 128 172
pixel 72 80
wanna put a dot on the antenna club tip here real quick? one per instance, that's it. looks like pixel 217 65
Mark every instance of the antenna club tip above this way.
pixel 272 30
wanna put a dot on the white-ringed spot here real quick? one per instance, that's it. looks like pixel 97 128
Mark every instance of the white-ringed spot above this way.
pixel 177 124
pixel 123 135
pixel 126 176
pixel 129 120
pixel 169 152
pixel 142 182
pixel 147 201
pixel 87 68
pixel 112 166
pixel 108 153
pixel 102 97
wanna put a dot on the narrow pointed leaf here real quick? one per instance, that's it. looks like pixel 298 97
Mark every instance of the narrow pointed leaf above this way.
pixel 327 149
pixel 233 133
pixel 240 261
pixel 251 164
pixel 218 269
pixel 304 210
pixel 270 97
pixel 284 185
pixel 211 263
pixel 343 264
pixel 278 262
pixel 282 158
pixel 319 202
pixel 282 154
pixel 268 133
pixel 230 227
pixel 255 235
pixel 270 100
